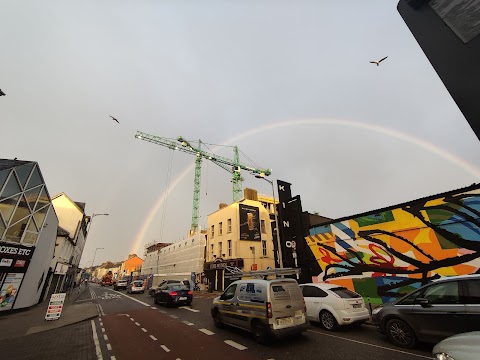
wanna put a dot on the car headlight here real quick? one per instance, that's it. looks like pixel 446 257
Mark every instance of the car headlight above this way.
pixel 443 356
pixel 377 310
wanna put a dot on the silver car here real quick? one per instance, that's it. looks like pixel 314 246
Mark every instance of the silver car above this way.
pixel 464 346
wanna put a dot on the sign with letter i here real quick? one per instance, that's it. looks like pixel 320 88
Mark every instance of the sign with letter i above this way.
pixel 55 306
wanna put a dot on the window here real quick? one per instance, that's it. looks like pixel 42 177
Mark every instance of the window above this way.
pixel 445 293
pixel 230 292
pixel 212 250
pixel 220 228
pixel 264 247
pixel 213 231
pixel 262 226
pixel 229 226
pixel 229 247
pixel 220 249
pixel 345 293
pixel 313 291
pixel 473 292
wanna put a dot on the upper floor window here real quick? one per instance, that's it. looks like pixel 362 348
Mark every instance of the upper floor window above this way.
pixel 229 247
pixel 229 226
pixel 262 226
pixel 264 247
pixel 213 231
pixel 220 228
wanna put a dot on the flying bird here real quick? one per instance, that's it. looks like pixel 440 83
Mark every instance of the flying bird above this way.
pixel 379 61
pixel 114 119
pixel 2 93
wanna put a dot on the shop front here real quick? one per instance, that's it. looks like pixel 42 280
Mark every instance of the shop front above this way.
pixel 215 272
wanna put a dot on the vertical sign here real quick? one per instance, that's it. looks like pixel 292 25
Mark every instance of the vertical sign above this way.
pixel 285 222
pixel 55 306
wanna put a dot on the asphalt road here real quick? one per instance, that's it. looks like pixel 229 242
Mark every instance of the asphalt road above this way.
pixel 132 326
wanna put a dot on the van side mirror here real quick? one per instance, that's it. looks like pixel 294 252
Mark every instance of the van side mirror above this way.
pixel 423 302
pixel 223 297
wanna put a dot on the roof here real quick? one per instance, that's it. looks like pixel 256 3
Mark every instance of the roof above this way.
pixel 8 163
pixel 76 204
pixel 392 207
pixel 323 285
pixel 81 205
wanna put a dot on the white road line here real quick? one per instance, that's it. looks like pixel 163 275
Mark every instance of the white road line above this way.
pixel 174 316
pixel 373 345
pixel 105 337
pixel 235 345
pixel 188 323
pixel 113 358
pixel 165 348
pixel 103 329
pixel 153 338
pixel 189 309
pixel 208 332
pixel 153 307
pixel 132 319
pixel 137 324
pixel 144 330
pixel 101 310
pixel 95 340
pixel 162 311
pixel 132 298
pixel 109 347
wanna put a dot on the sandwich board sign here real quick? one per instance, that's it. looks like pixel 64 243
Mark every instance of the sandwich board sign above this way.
pixel 55 306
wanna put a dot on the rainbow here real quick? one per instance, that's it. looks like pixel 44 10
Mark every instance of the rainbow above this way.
pixel 408 138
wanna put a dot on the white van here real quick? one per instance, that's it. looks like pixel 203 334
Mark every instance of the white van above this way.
pixel 264 307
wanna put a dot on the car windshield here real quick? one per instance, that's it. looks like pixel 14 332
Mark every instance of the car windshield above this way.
pixel 345 293
pixel 138 283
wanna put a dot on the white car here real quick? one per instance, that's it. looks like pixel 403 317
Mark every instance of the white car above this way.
pixel 136 286
pixel 333 305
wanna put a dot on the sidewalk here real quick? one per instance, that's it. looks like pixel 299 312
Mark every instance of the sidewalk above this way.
pixel 32 320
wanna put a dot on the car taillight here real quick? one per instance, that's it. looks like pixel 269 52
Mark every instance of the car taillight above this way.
pixel 172 293
pixel 190 292
pixel 269 310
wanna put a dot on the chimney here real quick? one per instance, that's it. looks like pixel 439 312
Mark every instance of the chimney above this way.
pixel 250 194
pixel 222 205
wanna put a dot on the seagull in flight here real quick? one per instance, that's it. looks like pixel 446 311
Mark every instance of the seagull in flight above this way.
pixel 114 119
pixel 379 61
pixel 2 93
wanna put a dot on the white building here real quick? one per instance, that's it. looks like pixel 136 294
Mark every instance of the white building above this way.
pixel 28 227
pixel 177 261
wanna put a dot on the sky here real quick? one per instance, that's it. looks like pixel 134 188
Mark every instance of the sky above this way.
pixel 288 82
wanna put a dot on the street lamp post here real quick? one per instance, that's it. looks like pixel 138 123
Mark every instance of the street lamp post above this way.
pixel 95 253
pixel 279 247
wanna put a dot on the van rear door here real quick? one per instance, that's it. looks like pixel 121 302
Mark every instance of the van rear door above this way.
pixel 287 303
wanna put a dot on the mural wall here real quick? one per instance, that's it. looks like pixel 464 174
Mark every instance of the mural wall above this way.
pixel 386 254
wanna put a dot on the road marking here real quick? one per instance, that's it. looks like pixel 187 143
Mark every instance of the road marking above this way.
pixel 109 347
pixel 137 324
pixel 95 340
pixel 174 316
pixel 105 337
pixel 235 345
pixel 165 348
pixel 373 345
pixel 144 330
pixel 153 307
pixel 162 311
pixel 132 298
pixel 132 319
pixel 189 309
pixel 113 358
pixel 101 309
pixel 153 338
pixel 188 323
pixel 208 332
pixel 103 329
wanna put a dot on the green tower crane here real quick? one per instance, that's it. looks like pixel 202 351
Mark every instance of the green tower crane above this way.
pixel 232 166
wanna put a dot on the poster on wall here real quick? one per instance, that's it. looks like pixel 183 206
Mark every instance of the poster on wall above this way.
pixel 9 290
pixel 249 223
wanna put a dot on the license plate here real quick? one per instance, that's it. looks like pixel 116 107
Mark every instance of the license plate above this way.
pixel 285 321
pixel 182 298
pixel 356 306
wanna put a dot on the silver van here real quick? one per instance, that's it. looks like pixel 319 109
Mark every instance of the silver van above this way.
pixel 264 307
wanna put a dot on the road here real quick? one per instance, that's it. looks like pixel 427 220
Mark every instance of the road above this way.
pixel 130 326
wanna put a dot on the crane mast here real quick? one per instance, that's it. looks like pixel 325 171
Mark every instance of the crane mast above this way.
pixel 234 167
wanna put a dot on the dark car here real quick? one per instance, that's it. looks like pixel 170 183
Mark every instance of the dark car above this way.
pixel 173 294
pixel 154 289
pixel 432 313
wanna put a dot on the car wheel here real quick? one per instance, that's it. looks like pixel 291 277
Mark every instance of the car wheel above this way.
pixel 217 319
pixel 155 300
pixel 260 332
pixel 328 320
pixel 400 333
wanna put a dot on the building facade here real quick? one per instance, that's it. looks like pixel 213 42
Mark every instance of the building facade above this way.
pixel 28 228
pixel 132 265
pixel 386 253
pixel 239 238
pixel 177 261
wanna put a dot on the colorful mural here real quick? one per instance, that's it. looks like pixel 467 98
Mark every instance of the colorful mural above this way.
pixel 386 254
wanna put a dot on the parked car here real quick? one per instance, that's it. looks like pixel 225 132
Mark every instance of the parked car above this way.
pixel 136 286
pixel 464 346
pixel 264 307
pixel 154 289
pixel 432 313
pixel 173 294
pixel 334 305
pixel 120 285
